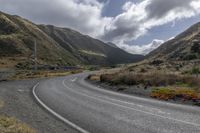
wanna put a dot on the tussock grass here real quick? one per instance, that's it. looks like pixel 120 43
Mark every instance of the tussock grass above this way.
pixel 94 77
pixel 42 74
pixel 150 79
pixel 168 93
pixel 1 103
pixel 164 86
pixel 11 125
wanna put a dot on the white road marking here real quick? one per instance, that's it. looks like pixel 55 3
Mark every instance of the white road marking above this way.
pixel 76 127
pixel 138 105
pixel 122 106
pixel 73 80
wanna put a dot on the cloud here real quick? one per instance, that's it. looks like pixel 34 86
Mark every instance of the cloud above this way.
pixel 162 8
pixel 85 16
pixel 138 18
pixel 82 15
pixel 141 49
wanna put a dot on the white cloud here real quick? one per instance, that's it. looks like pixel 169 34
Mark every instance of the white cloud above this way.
pixel 138 18
pixel 82 15
pixel 127 5
pixel 141 49
pixel 86 17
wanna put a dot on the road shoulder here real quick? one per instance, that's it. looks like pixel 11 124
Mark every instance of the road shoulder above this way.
pixel 19 103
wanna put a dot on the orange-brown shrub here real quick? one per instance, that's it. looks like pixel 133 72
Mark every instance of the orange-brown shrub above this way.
pixel 173 93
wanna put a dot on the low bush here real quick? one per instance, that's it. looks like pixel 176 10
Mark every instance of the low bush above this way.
pixel 150 79
pixel 94 77
pixel 176 93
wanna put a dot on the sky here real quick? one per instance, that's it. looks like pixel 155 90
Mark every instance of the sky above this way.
pixel 137 26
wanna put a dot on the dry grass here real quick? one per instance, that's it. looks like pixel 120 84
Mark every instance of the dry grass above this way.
pixel 168 86
pixel 11 125
pixel 92 53
pixel 94 77
pixel 9 62
pixel 168 93
pixel 1 104
pixel 42 74
pixel 150 79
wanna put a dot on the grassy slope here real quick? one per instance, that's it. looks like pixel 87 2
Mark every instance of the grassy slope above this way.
pixel 76 43
pixel 56 46
pixel 18 43
pixel 185 46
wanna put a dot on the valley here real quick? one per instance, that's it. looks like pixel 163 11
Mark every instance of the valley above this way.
pixel 57 80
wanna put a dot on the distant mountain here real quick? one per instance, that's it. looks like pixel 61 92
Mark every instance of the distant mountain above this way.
pixel 185 46
pixel 55 46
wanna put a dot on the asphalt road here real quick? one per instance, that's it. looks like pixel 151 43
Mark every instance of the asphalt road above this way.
pixel 91 109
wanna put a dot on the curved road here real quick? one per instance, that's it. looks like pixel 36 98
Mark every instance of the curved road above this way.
pixel 90 109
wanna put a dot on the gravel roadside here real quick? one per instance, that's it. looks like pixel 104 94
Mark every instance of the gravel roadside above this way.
pixel 20 104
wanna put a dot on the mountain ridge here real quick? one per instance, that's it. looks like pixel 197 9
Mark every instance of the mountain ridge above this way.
pixel 56 46
pixel 182 47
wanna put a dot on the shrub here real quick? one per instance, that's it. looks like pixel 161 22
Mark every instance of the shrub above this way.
pixel 174 93
pixel 94 77
pixel 163 93
pixel 196 47
pixel 150 79
pixel 196 71
pixel 191 56
pixel 142 70
pixel 156 62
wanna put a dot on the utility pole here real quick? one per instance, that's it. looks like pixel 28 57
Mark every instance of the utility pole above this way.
pixel 35 55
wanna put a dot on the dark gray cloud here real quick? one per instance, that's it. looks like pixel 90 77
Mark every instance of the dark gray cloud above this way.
pixel 123 30
pixel 159 8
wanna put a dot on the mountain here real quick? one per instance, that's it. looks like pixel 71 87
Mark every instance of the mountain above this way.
pixel 87 49
pixel 186 46
pixel 55 46
pixel 112 44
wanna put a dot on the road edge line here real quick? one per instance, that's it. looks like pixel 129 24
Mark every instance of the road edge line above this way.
pixel 74 126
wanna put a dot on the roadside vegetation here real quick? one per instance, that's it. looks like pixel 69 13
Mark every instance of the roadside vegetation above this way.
pixel 150 79
pixel 164 85
pixel 12 125
pixel 42 74
pixel 185 94
pixel 31 74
